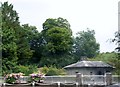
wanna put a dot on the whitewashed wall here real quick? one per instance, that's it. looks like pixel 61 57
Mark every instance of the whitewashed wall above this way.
pixel 87 71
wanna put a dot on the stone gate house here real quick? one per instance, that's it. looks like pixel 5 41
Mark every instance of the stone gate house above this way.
pixel 89 68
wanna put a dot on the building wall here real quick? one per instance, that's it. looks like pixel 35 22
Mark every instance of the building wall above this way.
pixel 88 71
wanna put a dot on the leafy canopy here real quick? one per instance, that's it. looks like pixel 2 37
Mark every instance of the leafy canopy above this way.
pixel 85 44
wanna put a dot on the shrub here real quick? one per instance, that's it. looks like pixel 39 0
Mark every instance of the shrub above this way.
pixel 50 71
pixel 44 69
pixel 26 69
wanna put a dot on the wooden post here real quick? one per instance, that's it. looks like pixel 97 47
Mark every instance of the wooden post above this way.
pixel 108 78
pixel 79 78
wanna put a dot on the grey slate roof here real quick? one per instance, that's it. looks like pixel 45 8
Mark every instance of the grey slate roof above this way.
pixel 88 64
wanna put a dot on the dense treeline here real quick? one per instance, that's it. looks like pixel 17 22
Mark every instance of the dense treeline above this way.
pixel 24 47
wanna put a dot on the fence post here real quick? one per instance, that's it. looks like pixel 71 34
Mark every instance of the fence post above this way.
pixel 108 78
pixel 79 78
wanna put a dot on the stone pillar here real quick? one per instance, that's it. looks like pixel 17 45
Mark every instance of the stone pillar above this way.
pixel 33 84
pixel 79 78
pixel 108 78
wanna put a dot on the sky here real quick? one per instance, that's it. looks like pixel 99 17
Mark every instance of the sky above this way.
pixel 98 15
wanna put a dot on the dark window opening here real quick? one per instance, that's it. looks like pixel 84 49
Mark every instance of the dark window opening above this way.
pixel 107 71
pixel 91 73
pixel 99 73
pixel 76 72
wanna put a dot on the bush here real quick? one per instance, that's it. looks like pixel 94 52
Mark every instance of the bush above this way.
pixel 44 69
pixel 50 71
pixel 26 69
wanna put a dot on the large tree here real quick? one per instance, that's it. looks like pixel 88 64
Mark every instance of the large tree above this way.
pixel 57 37
pixel 85 44
pixel 58 41
pixel 15 43
pixel 10 24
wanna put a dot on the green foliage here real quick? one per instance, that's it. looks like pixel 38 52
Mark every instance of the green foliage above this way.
pixel 15 41
pixel 85 44
pixel 58 41
pixel 10 24
pixel 50 71
pixel 58 61
pixel 57 35
pixel 116 63
pixel 8 67
pixel 44 69
pixel 26 34
pixel 10 79
pixel 106 57
pixel 59 22
pixel 37 44
pixel 111 59
pixel 117 40
pixel 28 69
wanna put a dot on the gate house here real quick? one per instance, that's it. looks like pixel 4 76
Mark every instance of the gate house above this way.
pixel 89 68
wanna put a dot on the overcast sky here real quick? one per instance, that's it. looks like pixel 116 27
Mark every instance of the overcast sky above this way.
pixel 99 15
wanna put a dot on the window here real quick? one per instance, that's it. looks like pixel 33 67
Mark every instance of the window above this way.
pixel 99 73
pixel 91 73
pixel 77 72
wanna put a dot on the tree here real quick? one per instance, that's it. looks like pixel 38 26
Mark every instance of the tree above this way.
pixel 59 22
pixel 25 35
pixel 15 40
pixel 57 34
pixel 57 37
pixel 10 24
pixel 34 39
pixel 85 44
pixel 58 41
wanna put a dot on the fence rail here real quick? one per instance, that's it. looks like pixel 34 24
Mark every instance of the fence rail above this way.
pixel 85 79
pixel 93 79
